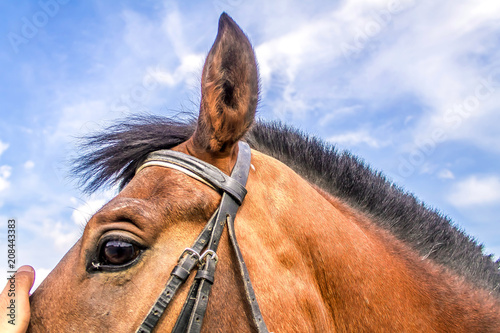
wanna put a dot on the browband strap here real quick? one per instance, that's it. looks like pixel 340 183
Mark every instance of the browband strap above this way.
pixel 200 170
pixel 233 192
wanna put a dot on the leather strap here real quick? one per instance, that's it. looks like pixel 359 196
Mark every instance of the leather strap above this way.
pixel 201 291
pixel 233 192
pixel 197 169
pixel 257 319
pixel 197 300
pixel 187 262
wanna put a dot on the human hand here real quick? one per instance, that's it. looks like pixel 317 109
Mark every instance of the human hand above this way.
pixel 14 301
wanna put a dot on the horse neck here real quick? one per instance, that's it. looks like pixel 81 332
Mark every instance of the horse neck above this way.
pixel 364 276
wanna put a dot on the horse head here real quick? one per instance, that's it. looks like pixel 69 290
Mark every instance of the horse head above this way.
pixel 137 237
pixel 317 258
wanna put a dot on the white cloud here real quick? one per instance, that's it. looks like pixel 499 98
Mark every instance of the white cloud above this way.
pixel 427 168
pixel 356 138
pixel 475 191
pixel 446 174
pixel 83 212
pixel 5 172
pixel 28 165
pixel 3 147
pixel 309 49
pixel 327 118
pixel 40 275
pixel 190 64
pixel 436 53
pixel 154 55
pixel 443 68
pixel 60 233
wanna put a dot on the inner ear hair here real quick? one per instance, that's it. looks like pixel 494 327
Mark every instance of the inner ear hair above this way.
pixel 229 90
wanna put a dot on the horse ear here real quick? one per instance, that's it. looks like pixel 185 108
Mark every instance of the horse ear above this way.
pixel 229 90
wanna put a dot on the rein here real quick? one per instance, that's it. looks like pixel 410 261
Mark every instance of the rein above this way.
pixel 233 193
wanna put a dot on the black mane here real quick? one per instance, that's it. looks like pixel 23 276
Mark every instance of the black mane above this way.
pixel 111 158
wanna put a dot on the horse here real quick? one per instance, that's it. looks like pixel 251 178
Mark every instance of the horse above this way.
pixel 329 245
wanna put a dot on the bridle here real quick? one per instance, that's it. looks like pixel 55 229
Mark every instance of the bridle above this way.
pixel 233 192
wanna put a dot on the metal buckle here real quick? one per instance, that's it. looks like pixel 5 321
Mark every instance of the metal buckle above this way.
pixel 203 257
pixel 195 254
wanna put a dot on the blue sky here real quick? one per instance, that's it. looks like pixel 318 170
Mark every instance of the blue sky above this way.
pixel 413 88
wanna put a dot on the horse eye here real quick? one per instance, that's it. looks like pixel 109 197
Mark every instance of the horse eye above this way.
pixel 117 252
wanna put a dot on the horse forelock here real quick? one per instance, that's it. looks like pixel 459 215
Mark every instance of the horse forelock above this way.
pixel 111 158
